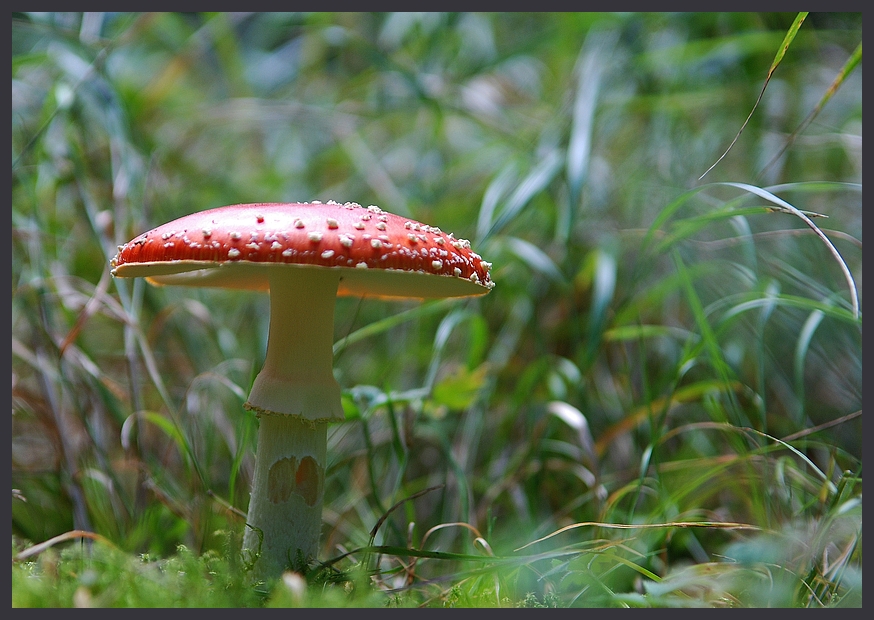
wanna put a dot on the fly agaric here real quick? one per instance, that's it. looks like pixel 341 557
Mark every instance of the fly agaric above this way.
pixel 305 255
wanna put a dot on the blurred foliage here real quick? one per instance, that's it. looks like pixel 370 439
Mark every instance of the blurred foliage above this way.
pixel 658 349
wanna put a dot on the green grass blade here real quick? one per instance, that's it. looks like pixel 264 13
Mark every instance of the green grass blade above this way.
pixel 852 62
pixel 787 41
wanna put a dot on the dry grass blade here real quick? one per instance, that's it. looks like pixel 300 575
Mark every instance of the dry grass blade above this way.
pixel 823 426
pixel 72 535
pixel 645 526
pixel 396 505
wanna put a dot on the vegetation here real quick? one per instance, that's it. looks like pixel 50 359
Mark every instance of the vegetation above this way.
pixel 659 404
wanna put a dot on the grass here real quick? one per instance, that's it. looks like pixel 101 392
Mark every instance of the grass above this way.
pixel 659 404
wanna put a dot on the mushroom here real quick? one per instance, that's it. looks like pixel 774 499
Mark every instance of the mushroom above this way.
pixel 304 254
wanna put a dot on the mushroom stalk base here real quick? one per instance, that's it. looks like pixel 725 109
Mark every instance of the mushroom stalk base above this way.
pixel 285 510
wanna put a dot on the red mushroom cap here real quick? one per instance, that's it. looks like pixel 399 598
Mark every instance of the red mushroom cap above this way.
pixel 378 253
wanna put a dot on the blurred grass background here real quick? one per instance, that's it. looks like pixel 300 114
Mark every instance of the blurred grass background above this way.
pixel 659 350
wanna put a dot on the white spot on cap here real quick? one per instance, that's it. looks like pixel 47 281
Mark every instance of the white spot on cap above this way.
pixel 288 252
pixel 233 253
pixel 332 223
pixel 376 243
pixel 235 235
pixel 260 218
pixel 361 265
pixel 457 272
pixel 437 265
pixel 207 233
pixel 298 223
pixel 275 245
pixel 359 225
pixel 327 254
pixel 346 240
pixel 315 237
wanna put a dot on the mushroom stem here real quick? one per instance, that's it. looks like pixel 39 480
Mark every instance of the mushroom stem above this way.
pixel 295 396
pixel 285 508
